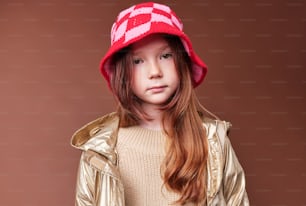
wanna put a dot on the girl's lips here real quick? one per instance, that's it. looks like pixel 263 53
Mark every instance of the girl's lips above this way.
pixel 157 89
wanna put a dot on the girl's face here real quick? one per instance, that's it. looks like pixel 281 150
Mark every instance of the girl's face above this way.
pixel 154 75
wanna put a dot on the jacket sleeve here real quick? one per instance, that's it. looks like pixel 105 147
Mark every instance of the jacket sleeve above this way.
pixel 233 178
pixel 85 184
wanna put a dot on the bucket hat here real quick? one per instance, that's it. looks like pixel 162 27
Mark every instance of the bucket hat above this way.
pixel 142 20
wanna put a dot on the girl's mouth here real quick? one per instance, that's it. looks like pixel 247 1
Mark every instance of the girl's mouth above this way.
pixel 157 89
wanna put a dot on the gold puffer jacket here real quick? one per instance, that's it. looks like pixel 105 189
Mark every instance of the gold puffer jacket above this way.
pixel 98 179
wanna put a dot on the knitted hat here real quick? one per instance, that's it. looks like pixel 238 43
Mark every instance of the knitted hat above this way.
pixel 141 20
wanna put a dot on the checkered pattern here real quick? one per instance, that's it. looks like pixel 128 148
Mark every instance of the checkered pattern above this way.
pixel 139 21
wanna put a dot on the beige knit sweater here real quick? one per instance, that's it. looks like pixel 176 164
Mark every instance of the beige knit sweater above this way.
pixel 141 152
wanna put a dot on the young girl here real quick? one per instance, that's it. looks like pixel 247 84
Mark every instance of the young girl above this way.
pixel 160 147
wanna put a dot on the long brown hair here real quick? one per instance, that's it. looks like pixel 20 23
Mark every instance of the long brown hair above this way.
pixel 184 166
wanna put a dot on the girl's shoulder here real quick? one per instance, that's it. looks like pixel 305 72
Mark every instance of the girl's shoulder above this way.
pixel 217 129
pixel 97 141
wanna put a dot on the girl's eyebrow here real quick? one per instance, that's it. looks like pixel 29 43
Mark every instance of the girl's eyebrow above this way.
pixel 166 46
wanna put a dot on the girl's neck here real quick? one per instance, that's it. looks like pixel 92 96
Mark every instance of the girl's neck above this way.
pixel 155 122
pixel 151 124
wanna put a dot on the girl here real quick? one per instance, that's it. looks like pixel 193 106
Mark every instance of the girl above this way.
pixel 160 147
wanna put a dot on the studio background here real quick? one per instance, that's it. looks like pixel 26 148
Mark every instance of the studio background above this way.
pixel 50 86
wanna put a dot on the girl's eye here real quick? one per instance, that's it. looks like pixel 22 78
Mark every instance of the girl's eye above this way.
pixel 137 61
pixel 166 55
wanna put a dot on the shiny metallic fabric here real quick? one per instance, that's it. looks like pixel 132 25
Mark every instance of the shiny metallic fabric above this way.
pixel 99 182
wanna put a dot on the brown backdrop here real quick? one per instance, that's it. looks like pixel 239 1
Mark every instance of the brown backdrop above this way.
pixel 50 85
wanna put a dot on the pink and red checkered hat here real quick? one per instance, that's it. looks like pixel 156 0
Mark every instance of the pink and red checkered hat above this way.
pixel 141 20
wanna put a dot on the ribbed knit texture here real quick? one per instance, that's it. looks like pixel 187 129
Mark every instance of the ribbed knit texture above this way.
pixel 141 152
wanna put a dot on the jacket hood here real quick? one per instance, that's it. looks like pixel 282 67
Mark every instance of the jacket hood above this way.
pixel 91 129
pixel 98 136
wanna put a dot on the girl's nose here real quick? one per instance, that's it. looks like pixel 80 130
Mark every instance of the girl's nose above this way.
pixel 155 71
